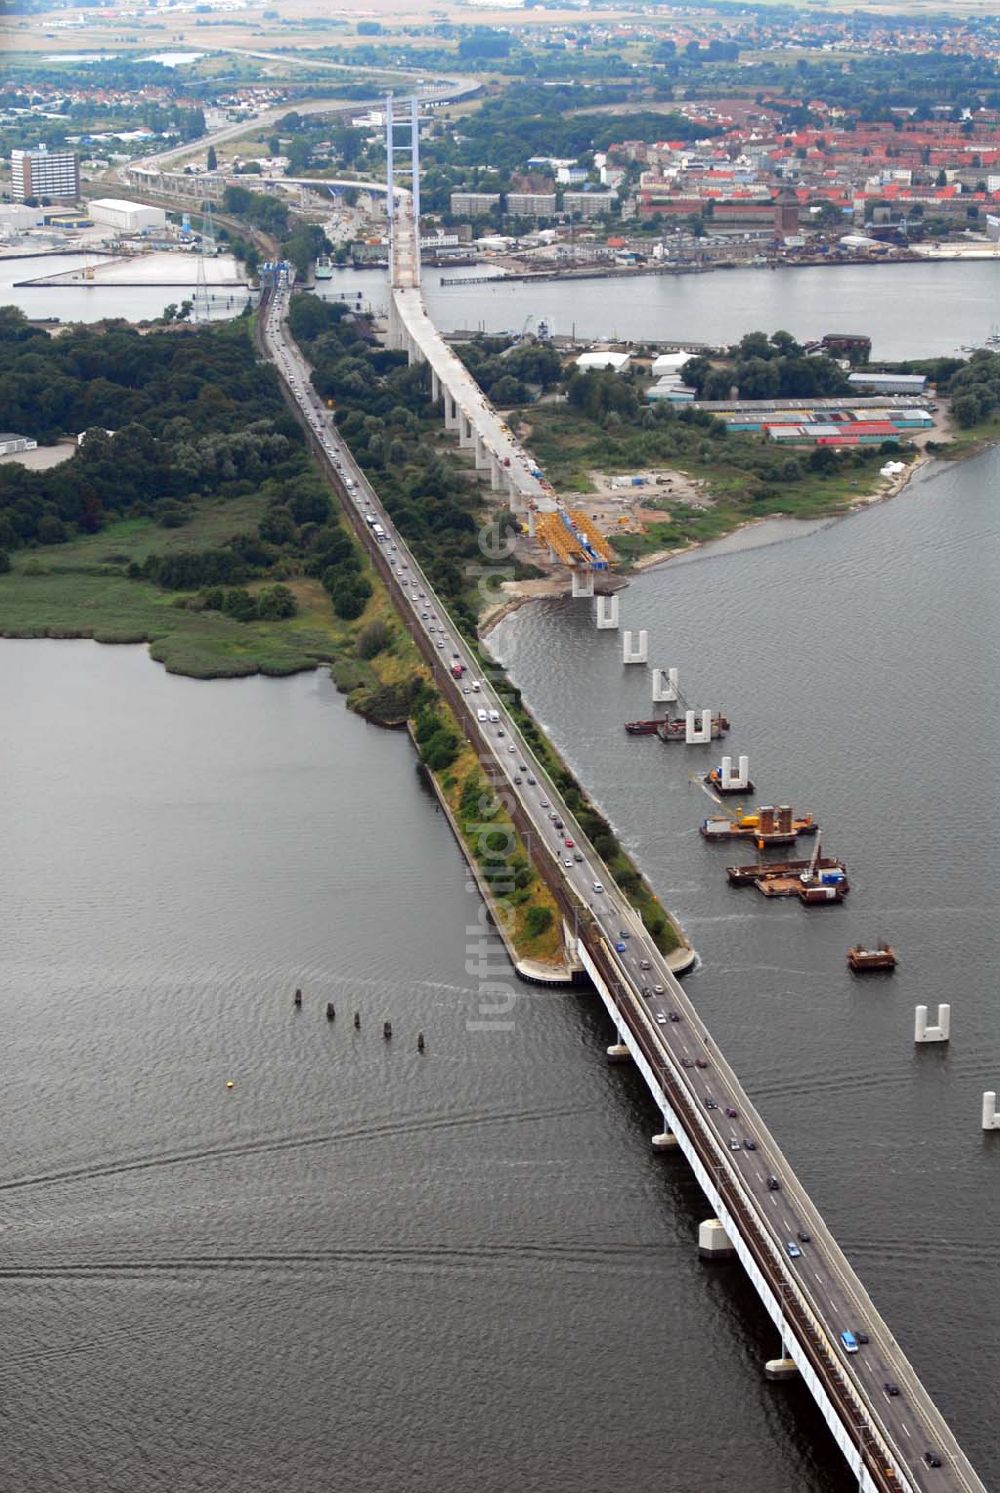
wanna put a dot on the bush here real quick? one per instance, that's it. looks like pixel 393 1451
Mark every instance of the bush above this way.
pixel 4 562
pixel 372 639
pixel 537 920
pixel 349 595
pixel 275 603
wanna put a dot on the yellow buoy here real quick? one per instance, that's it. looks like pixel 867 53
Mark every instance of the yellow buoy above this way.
pixel 229 1083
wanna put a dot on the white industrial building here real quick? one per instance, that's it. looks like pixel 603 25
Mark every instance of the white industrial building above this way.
pixel 127 217
pixel 11 443
pixel 617 362
pixel 669 363
pixel 18 217
pixel 888 383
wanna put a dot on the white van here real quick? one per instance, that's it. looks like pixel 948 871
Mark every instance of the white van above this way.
pixel 494 716
pixel 476 686
pixel 481 716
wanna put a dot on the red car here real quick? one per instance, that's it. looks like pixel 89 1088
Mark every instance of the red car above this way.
pixel 568 843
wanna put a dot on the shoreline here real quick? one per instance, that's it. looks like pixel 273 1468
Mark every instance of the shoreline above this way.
pixel 638 272
pixel 554 585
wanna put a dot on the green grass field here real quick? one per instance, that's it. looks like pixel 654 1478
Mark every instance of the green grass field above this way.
pixel 81 590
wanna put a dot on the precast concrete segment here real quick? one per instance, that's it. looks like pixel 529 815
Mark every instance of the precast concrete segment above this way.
pixel 881 1439
pixel 606 615
pixel 991 1119
pixel 581 582
pixel 923 1032
pixel 734 781
pixel 697 727
pixel 635 652
pixel 665 685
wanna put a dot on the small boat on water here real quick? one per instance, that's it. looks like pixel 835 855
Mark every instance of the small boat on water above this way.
pixel 642 728
pixel 324 267
pixel 881 958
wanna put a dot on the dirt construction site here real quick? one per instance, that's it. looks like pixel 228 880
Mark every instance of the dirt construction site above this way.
pixel 625 504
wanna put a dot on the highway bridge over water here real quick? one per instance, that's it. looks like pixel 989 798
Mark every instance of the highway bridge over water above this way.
pixel 880 1415
pixel 811 1297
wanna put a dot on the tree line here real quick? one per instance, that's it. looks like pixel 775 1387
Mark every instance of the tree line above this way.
pixel 171 420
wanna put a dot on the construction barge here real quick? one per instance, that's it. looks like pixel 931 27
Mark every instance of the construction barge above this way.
pixel 773 825
pixel 812 890
pixel 773 870
pixel 674 730
pixel 881 959
pixel 715 780
pixel 817 882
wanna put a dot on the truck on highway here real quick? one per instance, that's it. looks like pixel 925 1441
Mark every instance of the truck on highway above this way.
pixel 457 666
pixel 379 532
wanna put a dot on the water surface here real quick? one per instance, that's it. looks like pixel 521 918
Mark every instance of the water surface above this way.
pixel 359 1267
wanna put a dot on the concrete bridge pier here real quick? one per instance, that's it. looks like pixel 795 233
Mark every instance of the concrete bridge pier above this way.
pixel 713 1241
pixel 435 387
pixel 607 612
pixel 466 434
pixel 638 652
pixel 991 1120
pixel 665 1140
pixel 581 583
pixel 531 523
pixel 496 473
pixel 781 1368
pixel 450 411
pixel 396 333
pixel 697 730
pixel 924 1033
pixel 482 455
pixel 666 686
pixel 618 1053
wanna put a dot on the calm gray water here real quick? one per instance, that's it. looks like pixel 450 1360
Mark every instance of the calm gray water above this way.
pixel 909 310
pixel 860 668
pixel 359 1268
pixel 93 302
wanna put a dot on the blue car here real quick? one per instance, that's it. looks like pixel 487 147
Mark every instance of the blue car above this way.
pixel 619 947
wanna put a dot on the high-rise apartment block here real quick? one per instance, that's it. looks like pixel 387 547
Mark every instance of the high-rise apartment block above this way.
pixel 44 173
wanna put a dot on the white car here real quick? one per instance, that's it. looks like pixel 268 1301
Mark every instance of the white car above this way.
pixel 598 886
